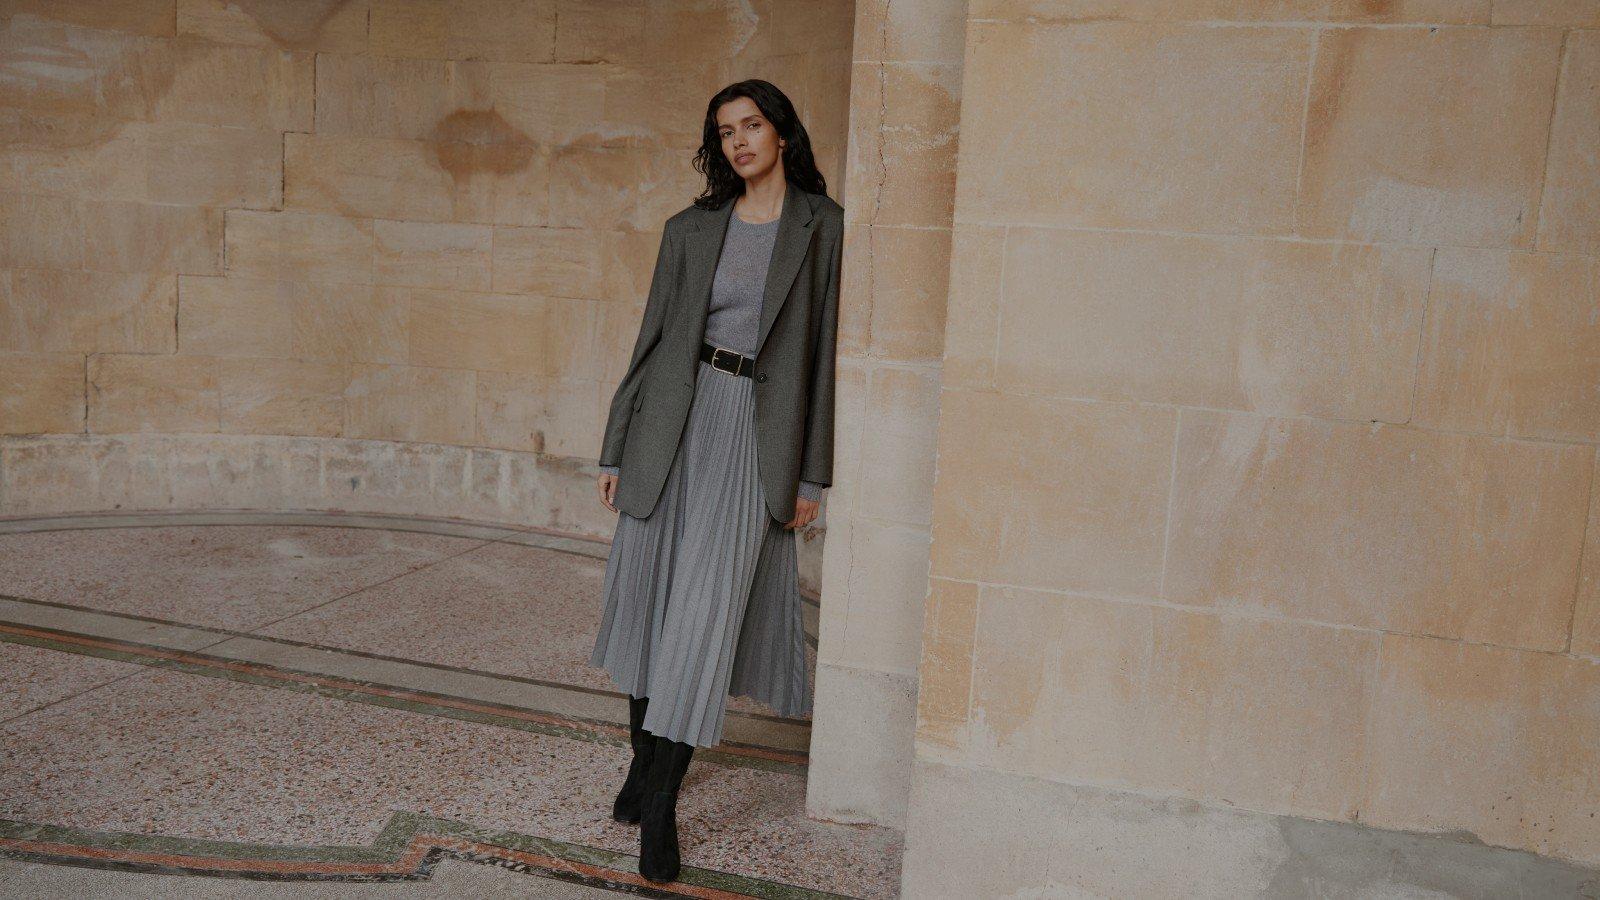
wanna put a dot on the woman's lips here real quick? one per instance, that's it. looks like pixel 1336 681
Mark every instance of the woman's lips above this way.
pixel 744 157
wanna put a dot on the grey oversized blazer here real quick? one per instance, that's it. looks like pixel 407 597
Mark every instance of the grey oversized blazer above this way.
pixel 793 380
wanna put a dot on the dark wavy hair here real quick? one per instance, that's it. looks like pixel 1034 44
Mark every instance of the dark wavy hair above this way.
pixel 799 166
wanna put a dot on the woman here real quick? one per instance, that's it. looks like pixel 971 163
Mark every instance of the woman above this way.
pixel 717 446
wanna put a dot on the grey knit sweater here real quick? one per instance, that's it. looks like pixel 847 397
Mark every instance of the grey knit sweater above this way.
pixel 733 318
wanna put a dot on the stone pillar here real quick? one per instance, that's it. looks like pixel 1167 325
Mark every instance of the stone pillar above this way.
pixel 904 99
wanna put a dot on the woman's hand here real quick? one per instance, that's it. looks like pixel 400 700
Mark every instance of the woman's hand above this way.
pixel 805 511
pixel 608 490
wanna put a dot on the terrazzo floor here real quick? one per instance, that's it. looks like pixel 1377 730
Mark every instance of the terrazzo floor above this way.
pixel 295 704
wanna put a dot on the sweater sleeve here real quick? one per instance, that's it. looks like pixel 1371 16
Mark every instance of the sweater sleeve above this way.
pixel 810 490
pixel 611 470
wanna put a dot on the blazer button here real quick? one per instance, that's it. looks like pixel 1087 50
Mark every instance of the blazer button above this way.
pixel 761 376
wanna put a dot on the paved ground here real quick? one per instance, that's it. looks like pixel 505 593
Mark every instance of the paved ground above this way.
pixel 245 705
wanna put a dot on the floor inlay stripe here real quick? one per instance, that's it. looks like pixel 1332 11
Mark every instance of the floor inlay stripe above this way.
pixel 412 699
pixel 744 727
pixel 406 850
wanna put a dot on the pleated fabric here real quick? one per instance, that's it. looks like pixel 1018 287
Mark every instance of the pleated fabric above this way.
pixel 702 597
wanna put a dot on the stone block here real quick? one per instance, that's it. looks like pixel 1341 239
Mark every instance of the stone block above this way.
pixel 41 392
pixel 137 392
pixel 1513 345
pixel 433 255
pixel 1205 138
pixel 1569 218
pixel 43 310
pixel 123 236
pixel 282 396
pixel 296 246
pixel 1269 325
pixel 409 403
pixel 1428 136
pixel 1059 494
pixel 1384 527
pixel 316 26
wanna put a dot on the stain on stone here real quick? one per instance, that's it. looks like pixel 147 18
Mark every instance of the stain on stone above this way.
pixel 67 88
pixel 469 141
pixel 1323 858
pixel 295 25
pixel 1333 63
pixel 1377 9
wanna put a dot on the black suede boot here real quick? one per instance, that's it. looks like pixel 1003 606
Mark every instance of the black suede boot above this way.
pixel 630 800
pixel 658 824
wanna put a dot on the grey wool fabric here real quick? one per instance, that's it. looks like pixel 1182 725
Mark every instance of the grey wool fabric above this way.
pixel 702 597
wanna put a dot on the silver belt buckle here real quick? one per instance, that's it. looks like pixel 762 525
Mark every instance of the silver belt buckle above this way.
pixel 715 353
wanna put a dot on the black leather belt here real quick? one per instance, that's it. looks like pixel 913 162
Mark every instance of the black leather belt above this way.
pixel 726 360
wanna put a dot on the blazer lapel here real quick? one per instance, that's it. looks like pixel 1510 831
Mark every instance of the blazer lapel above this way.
pixel 789 250
pixel 704 251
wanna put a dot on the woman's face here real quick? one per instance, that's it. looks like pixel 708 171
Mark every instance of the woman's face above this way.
pixel 749 142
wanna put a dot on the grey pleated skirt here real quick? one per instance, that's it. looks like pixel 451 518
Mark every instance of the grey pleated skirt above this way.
pixel 702 597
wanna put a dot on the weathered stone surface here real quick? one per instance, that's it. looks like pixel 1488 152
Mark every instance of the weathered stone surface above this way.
pixel 909 287
pixel 1017 510
pixel 1381 527
pixel 554 262
pixel 1428 135
pixel 433 255
pixel 41 232
pixel 1388 12
pixel 1569 218
pixel 904 121
pixel 280 396
pixel 1130 693
pixel 99 158
pixel 325 26
pixel 1270 325
pixel 41 392
pixel 53 67
pixel 538 413
pixel 250 87
pixel 1081 840
pixel 497 332
pixel 897 448
pixel 369 96
pixel 121 236
pixel 149 17
pixel 1500 743
pixel 1578 13
pixel 1513 345
pixel 299 247
pixel 408 403
pixel 876 712
pixel 1205 138
pixel 480 172
pixel 46 311
pixel 944 679
pixel 137 392
pixel 1586 617
pixel 977 257
pixel 519 30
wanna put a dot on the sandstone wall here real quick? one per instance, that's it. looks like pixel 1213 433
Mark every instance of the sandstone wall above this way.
pixel 1266 451
pixel 385 255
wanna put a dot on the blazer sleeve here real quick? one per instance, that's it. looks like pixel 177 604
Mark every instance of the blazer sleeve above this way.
pixel 662 284
pixel 816 466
